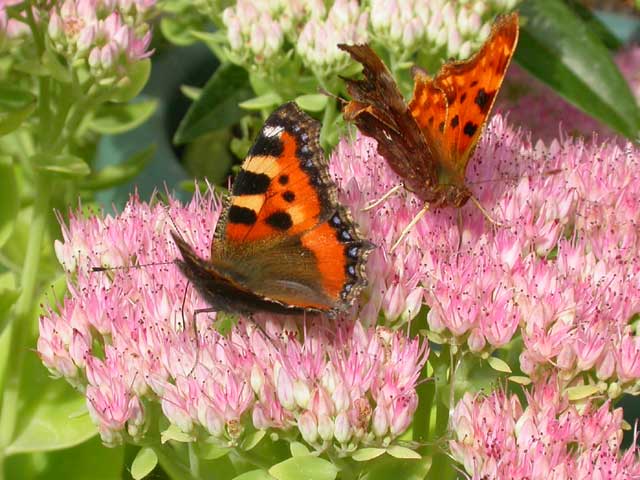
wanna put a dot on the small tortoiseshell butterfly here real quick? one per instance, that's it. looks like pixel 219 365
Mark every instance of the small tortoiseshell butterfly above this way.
pixel 428 143
pixel 283 243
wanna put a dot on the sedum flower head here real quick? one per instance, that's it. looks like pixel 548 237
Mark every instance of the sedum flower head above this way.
pixel 560 269
pixel 266 31
pixel 106 36
pixel 317 44
pixel 126 339
pixel 496 436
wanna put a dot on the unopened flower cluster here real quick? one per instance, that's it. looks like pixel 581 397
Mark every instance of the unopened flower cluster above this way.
pixel 496 437
pixel 337 383
pixel 260 32
pixel 105 35
pixel 556 265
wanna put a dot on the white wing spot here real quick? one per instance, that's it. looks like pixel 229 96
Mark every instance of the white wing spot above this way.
pixel 273 131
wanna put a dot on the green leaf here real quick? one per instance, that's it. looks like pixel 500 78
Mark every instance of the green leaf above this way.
pixel 176 31
pixel 57 70
pixel 174 433
pixel 581 392
pixel 397 451
pixel 306 467
pixel 266 101
pixel 559 49
pixel 14 111
pixel 435 337
pixel 209 451
pixel 12 98
pixel 113 118
pixel 253 439
pixel 134 82
pixel 594 24
pixel 365 454
pixel 8 298
pixel 217 107
pixel 53 414
pixel 499 365
pixel 65 165
pixel 192 93
pixel 88 461
pixel 9 201
pixel 113 175
pixel 254 475
pixel 520 380
pixel 299 449
pixel 386 467
pixel 313 102
pixel 144 463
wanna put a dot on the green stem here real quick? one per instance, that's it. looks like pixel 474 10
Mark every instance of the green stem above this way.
pixel 78 112
pixel 422 418
pixel 347 470
pixel 171 464
pixel 328 121
pixel 251 458
pixel 439 468
pixel 22 318
pixel 194 461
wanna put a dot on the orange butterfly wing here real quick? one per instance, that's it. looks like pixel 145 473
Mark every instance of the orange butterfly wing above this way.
pixel 468 89
pixel 284 235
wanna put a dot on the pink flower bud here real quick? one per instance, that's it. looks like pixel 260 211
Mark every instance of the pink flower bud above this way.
pixel 55 28
pixel 301 394
pixel 325 427
pixel 380 422
pixel 342 431
pixel 308 427
pixel 285 390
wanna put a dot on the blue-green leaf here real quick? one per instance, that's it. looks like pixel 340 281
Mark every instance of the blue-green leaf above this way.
pixel 65 165
pixel 268 101
pixel 135 81
pixel 560 49
pixel 114 118
pixel 217 106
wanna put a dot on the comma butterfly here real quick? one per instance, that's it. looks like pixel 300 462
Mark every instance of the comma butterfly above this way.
pixel 428 142
pixel 284 243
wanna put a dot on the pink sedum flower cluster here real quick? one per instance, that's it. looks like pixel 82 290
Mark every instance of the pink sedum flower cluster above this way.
pixel 558 266
pixel 496 437
pixel 126 338
pixel 109 35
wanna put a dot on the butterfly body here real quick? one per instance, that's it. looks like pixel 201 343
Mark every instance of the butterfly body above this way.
pixel 284 243
pixel 429 141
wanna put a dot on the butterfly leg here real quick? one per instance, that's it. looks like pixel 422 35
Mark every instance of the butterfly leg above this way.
pixel 410 225
pixel 384 197
pixel 484 212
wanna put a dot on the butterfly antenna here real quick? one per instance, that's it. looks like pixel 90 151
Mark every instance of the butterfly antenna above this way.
pixel 485 212
pixel 127 267
pixel 515 179
pixel 383 198
pixel 327 93
pixel 411 224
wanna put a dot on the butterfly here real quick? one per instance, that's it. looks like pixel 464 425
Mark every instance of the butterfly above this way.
pixel 429 142
pixel 283 244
